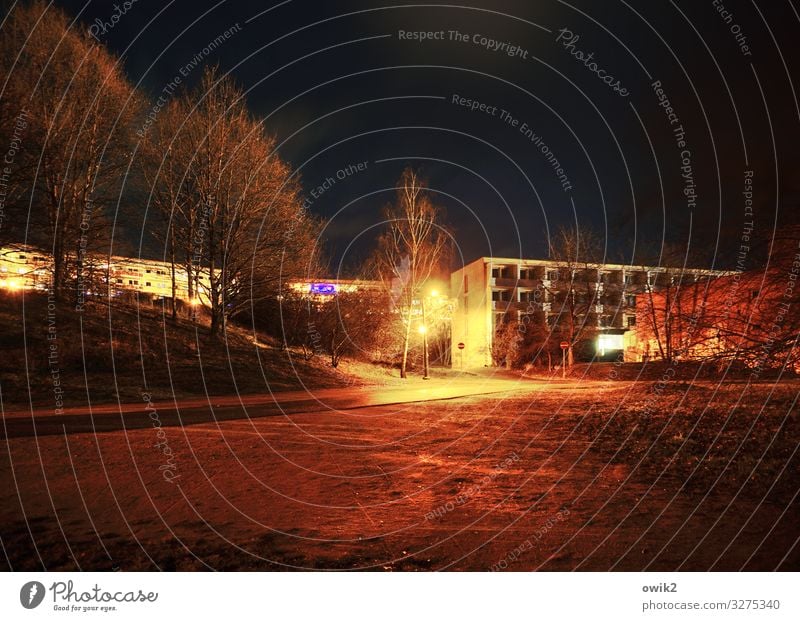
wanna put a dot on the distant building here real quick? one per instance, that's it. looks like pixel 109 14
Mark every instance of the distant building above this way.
pixel 751 317
pixel 25 267
pixel 322 290
pixel 491 292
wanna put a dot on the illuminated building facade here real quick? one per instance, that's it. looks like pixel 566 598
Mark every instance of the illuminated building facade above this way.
pixel 24 267
pixel 750 317
pixel 491 292
pixel 327 289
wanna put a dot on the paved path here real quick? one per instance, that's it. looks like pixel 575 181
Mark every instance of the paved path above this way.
pixel 106 418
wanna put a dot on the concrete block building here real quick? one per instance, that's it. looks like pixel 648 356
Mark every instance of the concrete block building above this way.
pixel 490 292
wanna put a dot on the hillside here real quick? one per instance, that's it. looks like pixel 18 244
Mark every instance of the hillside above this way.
pixel 105 354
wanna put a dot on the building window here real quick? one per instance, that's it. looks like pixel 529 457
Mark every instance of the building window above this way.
pixel 630 300
pixel 552 274
pixel 631 321
pixel 147 284
pixel 628 279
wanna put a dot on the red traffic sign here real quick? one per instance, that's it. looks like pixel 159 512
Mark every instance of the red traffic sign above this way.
pixel 564 345
pixel 461 345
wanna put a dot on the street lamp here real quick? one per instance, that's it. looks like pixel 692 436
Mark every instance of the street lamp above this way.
pixel 423 330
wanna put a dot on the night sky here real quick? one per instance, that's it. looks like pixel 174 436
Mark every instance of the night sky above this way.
pixel 340 83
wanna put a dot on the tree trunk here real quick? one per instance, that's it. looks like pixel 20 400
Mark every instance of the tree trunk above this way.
pixel 406 339
pixel 172 271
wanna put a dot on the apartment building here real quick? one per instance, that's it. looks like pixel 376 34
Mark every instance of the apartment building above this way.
pixel 25 267
pixel 747 317
pixel 491 292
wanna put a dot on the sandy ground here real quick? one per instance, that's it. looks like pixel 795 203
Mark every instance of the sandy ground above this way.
pixel 562 476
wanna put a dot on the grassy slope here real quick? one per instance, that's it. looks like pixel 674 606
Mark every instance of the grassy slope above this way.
pixel 111 353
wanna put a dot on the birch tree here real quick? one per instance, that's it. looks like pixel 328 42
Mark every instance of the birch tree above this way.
pixel 411 250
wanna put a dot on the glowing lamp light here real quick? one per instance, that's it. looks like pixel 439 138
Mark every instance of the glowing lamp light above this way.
pixel 610 342
pixel 422 329
pixel 194 301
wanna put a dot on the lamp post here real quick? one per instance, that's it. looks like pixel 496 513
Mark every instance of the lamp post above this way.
pixel 424 331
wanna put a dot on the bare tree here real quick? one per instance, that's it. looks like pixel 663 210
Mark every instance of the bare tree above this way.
pixel 674 293
pixel 577 252
pixel 232 205
pixel 411 251
pixel 163 155
pixel 349 323
pixel 79 109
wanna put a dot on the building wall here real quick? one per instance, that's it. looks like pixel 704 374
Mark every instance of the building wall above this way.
pixel 23 267
pixel 746 315
pixel 535 290
pixel 471 323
